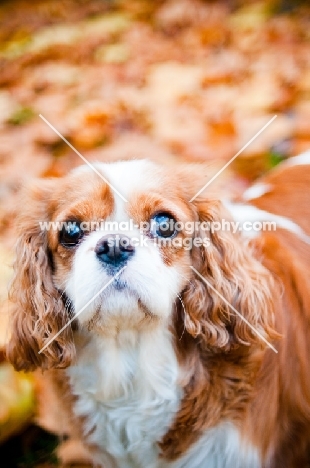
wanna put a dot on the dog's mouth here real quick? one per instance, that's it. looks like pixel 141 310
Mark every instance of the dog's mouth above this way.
pixel 120 285
pixel 120 292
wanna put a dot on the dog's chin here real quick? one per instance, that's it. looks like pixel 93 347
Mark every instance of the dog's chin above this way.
pixel 120 285
pixel 121 309
pixel 129 292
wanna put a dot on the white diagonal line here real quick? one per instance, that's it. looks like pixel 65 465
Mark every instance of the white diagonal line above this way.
pixel 236 311
pixel 82 157
pixel 233 158
pixel 83 308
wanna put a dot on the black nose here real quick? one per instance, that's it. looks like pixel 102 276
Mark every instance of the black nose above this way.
pixel 114 249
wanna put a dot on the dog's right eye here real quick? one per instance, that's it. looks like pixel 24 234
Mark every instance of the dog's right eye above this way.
pixel 71 234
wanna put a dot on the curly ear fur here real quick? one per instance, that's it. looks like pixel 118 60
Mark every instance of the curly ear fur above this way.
pixel 231 271
pixel 37 312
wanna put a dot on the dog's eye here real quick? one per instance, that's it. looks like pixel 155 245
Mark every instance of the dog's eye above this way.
pixel 71 234
pixel 163 225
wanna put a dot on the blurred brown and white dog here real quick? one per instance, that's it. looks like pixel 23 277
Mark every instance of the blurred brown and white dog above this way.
pixel 165 362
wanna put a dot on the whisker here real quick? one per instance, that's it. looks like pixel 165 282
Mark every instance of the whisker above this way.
pixel 180 299
pixel 184 316
pixel 187 280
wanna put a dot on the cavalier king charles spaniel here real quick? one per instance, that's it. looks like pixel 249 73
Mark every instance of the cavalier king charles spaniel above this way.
pixel 171 331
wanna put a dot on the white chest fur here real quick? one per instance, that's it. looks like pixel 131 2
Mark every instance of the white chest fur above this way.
pixel 220 447
pixel 128 393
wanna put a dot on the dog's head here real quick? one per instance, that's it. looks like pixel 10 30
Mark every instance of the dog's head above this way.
pixel 116 248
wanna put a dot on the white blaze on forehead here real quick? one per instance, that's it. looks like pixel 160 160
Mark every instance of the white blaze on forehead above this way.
pixel 131 176
pixel 128 177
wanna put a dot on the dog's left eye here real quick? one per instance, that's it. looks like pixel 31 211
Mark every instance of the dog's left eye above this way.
pixel 163 225
pixel 71 234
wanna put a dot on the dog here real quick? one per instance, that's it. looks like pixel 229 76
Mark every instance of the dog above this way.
pixel 169 343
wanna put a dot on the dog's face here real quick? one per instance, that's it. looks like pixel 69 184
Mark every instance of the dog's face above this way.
pixel 114 265
pixel 135 242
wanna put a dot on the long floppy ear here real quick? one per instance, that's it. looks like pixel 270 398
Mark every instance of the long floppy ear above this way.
pixel 37 309
pixel 228 282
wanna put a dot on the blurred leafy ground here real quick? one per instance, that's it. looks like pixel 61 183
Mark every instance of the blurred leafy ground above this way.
pixel 175 81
